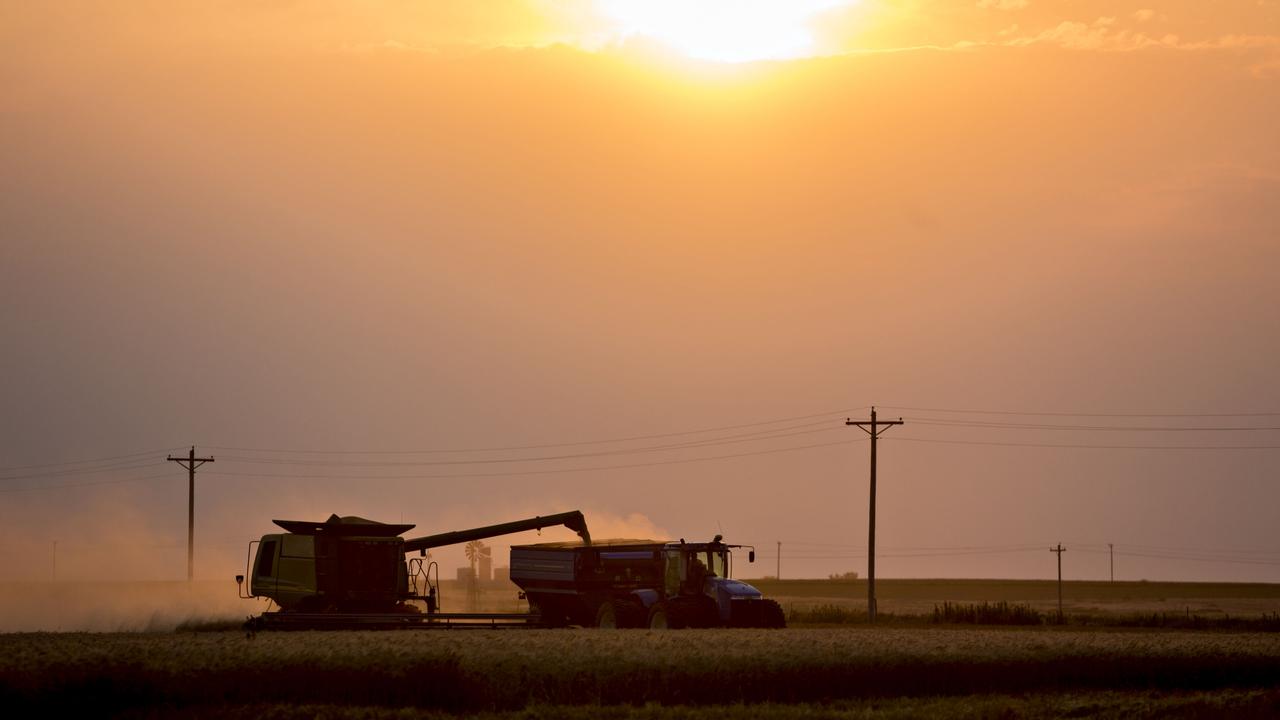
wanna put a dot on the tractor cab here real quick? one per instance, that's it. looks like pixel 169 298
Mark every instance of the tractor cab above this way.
pixel 703 570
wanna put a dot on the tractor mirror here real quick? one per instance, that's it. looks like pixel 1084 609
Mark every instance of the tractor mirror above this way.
pixel 751 556
pixel 239 579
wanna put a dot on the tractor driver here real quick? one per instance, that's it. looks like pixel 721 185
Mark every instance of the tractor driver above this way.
pixel 697 573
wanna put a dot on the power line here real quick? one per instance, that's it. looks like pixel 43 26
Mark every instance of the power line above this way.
pixel 892 548
pixel 83 485
pixel 730 440
pixel 146 453
pixel 1085 447
pixel 1084 415
pixel 516 473
pixel 131 465
pixel 1090 428
pixel 1230 551
pixel 832 414
pixel 1188 558
pixel 895 554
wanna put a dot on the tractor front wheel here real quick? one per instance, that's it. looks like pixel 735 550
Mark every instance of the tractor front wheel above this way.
pixel 772 615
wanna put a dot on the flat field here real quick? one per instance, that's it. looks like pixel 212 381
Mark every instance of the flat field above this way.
pixel 162 606
pixel 918 597
pixel 836 672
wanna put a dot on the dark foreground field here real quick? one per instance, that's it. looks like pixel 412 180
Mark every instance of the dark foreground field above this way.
pixel 842 672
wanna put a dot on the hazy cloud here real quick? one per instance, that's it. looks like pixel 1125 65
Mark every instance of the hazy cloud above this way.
pixel 1003 4
pixel 1103 34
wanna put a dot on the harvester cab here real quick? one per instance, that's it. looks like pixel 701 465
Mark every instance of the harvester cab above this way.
pixel 345 564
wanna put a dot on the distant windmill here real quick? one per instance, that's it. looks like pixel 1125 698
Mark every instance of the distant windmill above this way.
pixel 476 551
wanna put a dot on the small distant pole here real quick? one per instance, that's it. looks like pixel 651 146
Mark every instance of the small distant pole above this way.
pixel 1112 549
pixel 191 462
pixel 55 561
pixel 1059 550
pixel 779 559
pixel 875 430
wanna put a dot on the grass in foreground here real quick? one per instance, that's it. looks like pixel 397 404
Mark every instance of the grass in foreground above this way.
pixel 1235 704
pixel 1003 613
pixel 486 671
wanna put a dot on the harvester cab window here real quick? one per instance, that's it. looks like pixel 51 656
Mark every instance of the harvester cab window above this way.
pixel 266 558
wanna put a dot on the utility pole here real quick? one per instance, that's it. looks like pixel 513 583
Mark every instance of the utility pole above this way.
pixel 191 462
pixel 1059 550
pixel 55 561
pixel 779 559
pixel 1112 549
pixel 874 428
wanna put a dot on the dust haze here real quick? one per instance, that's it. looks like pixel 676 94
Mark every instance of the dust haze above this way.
pixel 216 232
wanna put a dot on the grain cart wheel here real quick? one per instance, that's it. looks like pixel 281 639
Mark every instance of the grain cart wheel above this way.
pixel 549 615
pixel 630 613
pixel 607 616
pixel 658 617
pixel 771 615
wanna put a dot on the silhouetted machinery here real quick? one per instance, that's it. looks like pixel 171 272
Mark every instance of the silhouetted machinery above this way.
pixel 348 572
pixel 640 584
pixel 352 572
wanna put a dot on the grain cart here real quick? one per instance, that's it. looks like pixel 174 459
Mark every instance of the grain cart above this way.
pixel 640 583
pixel 351 572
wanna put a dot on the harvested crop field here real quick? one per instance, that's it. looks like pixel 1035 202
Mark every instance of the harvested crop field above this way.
pixel 497 671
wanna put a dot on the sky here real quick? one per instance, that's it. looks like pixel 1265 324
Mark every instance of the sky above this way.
pixel 454 263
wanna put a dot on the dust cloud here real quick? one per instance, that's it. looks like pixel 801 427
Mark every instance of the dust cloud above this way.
pixel 71 606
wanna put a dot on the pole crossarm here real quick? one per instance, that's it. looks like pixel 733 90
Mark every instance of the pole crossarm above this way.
pixel 862 424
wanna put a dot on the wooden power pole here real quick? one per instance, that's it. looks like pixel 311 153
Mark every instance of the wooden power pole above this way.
pixel 191 462
pixel 1111 548
pixel 779 559
pixel 874 428
pixel 1059 550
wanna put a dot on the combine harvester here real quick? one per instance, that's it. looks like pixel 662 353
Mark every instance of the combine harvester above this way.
pixel 351 573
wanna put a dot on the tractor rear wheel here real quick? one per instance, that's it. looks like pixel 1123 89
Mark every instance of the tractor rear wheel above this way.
pixel 658 617
pixel 607 616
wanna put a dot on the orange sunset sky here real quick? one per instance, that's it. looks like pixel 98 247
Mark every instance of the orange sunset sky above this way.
pixel 518 228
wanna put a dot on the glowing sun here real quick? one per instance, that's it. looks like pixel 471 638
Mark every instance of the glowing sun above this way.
pixel 723 30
